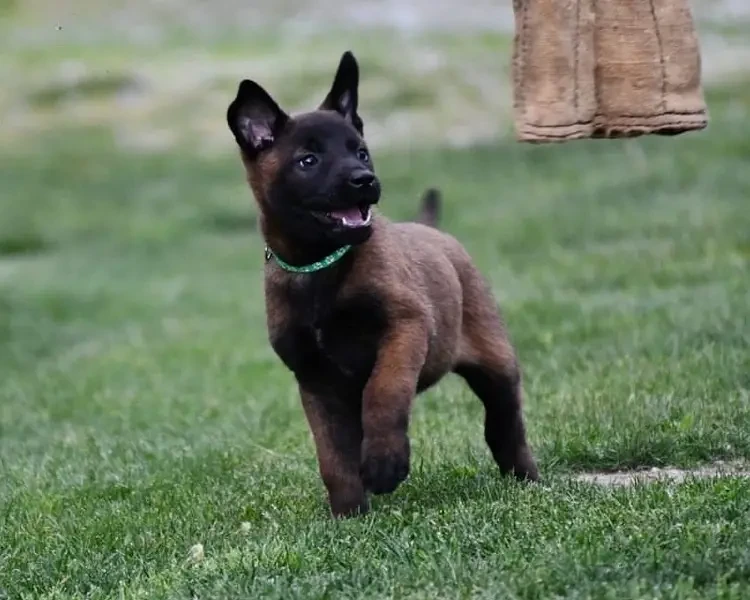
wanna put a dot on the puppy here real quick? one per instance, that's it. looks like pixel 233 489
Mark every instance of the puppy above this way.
pixel 366 313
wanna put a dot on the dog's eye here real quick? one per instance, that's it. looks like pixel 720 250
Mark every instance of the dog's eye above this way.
pixel 308 160
pixel 363 155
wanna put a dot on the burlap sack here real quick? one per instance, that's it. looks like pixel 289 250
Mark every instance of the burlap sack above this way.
pixel 605 68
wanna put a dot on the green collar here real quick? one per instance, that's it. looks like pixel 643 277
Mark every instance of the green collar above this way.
pixel 311 268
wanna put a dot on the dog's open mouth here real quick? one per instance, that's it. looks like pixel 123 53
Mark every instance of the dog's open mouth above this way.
pixel 352 218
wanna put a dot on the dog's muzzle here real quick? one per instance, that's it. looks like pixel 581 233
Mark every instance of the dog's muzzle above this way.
pixel 362 190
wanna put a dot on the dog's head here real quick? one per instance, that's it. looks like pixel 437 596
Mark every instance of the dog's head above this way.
pixel 311 173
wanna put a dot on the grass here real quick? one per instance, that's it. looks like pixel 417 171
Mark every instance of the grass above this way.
pixel 142 411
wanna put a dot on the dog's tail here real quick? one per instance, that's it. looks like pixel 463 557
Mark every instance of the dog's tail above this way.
pixel 429 210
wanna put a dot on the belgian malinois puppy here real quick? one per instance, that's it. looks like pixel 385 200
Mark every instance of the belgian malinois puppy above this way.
pixel 365 312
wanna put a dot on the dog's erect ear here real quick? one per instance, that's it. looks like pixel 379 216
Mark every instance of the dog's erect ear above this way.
pixel 343 95
pixel 254 118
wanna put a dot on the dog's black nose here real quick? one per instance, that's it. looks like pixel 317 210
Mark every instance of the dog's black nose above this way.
pixel 360 179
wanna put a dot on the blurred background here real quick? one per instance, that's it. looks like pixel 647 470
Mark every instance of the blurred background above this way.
pixel 158 73
pixel 154 77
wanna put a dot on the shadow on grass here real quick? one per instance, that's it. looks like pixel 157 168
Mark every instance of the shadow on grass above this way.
pixel 14 244
pixel 447 486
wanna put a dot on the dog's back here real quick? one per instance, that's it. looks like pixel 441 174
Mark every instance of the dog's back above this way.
pixel 440 271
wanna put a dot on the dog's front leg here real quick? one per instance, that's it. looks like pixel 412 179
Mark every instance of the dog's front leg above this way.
pixel 337 430
pixel 386 405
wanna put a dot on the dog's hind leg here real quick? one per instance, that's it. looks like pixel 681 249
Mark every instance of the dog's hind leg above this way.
pixel 504 430
pixel 337 430
pixel 490 368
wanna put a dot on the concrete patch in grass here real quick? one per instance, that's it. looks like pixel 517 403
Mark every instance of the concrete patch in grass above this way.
pixel 671 474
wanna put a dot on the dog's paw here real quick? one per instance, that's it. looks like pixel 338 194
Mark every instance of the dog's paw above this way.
pixel 521 465
pixel 527 472
pixel 385 464
pixel 342 508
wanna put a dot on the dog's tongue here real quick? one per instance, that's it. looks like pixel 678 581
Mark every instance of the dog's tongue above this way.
pixel 349 216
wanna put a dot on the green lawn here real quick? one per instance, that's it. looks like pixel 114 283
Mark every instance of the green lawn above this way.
pixel 142 410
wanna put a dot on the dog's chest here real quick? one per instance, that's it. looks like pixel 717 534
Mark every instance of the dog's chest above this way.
pixel 329 337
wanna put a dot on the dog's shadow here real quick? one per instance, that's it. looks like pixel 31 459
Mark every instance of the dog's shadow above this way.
pixel 446 486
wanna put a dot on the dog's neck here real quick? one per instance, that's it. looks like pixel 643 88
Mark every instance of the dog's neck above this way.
pixel 311 296
pixel 293 251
